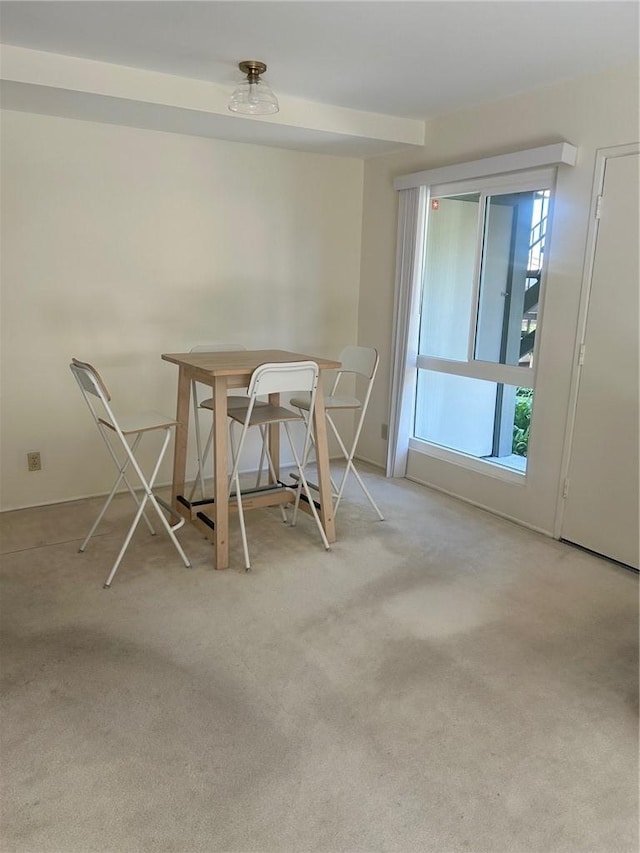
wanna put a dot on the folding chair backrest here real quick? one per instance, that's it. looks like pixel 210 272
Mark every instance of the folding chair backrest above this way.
pixel 91 383
pixel 89 379
pixel 285 377
pixel 362 360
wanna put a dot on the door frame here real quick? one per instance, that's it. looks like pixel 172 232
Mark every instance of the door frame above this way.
pixel 602 156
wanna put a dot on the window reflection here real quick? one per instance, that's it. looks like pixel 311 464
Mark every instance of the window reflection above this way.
pixel 515 229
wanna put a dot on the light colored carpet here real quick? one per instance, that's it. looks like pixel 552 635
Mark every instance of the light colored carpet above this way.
pixel 440 681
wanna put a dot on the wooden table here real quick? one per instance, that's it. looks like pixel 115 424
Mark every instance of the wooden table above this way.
pixel 223 370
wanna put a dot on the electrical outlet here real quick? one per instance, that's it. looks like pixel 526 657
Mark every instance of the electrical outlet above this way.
pixel 34 462
pixel 384 431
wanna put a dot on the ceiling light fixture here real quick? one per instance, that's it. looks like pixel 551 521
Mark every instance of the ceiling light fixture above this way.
pixel 253 96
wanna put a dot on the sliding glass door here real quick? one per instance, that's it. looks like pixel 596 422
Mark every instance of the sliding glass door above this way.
pixel 480 308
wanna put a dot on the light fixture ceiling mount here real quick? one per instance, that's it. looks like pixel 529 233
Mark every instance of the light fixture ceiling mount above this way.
pixel 252 68
pixel 253 96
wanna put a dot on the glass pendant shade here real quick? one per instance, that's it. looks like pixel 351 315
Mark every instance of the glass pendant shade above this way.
pixel 253 96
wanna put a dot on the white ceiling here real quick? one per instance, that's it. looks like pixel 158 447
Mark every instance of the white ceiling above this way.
pixel 403 59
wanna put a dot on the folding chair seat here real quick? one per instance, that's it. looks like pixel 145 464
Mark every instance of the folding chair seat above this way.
pixel 117 435
pixel 361 361
pixel 235 397
pixel 276 378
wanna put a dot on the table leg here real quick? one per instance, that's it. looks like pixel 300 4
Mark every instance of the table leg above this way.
pixel 274 439
pixel 182 434
pixel 322 463
pixel 221 479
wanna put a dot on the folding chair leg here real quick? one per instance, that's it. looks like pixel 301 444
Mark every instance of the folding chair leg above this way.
pixel 149 493
pixel 234 480
pixel 148 486
pixel 171 529
pixel 124 477
pixel 350 466
pixel 243 529
pixel 302 484
pixel 202 461
pixel 203 457
pixel 105 506
pixel 264 451
pixel 121 476
pixel 272 470
pixel 312 445
pixel 125 544
pixel 236 451
pixel 129 536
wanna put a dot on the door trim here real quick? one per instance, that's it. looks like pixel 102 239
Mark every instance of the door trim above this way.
pixel 602 155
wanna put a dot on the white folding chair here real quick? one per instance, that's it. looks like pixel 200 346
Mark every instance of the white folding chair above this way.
pixel 235 397
pixel 276 378
pixel 361 361
pixel 116 433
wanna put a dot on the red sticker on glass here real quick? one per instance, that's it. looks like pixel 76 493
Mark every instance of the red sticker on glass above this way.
pixel 435 204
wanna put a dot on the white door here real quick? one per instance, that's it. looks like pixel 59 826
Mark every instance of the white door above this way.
pixel 601 504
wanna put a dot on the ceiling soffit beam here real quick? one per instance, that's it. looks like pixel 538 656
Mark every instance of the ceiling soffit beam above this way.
pixel 555 154
pixel 74 74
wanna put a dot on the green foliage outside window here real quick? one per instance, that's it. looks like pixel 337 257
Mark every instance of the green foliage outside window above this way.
pixel 522 421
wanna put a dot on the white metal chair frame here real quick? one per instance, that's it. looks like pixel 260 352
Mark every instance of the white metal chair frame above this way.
pixel 135 426
pixel 235 397
pixel 362 361
pixel 275 378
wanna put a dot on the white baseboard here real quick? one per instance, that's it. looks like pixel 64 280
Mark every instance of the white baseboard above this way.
pixel 165 485
pixel 493 511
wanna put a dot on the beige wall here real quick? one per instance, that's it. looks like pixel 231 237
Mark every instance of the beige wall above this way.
pixel 120 244
pixel 590 113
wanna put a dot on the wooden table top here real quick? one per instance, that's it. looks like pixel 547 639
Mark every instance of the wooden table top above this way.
pixel 241 362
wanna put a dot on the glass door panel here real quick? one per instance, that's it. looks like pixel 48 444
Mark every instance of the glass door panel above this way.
pixel 488 420
pixel 511 268
pixel 456 412
pixel 448 287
